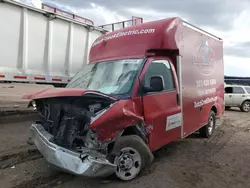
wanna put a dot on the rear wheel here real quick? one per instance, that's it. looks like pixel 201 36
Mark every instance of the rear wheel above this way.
pixel 131 155
pixel 208 130
pixel 245 107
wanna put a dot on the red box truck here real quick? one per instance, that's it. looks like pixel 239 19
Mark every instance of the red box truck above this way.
pixel 144 87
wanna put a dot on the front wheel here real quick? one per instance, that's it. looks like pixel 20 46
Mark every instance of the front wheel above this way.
pixel 208 130
pixel 131 155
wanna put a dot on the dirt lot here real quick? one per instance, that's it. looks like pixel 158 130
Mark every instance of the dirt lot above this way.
pixel 220 162
pixel 11 95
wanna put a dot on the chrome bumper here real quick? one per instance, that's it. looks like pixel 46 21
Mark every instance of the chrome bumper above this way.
pixel 84 164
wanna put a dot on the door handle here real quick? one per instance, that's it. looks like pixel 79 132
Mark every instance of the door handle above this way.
pixel 230 95
pixel 178 99
pixel 243 95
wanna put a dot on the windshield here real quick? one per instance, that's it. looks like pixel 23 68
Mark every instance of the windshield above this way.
pixel 111 77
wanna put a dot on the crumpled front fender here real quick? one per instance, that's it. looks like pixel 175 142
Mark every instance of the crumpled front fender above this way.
pixel 119 116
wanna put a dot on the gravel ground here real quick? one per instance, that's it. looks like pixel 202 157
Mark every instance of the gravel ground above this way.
pixel 221 161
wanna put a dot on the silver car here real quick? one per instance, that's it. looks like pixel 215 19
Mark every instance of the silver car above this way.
pixel 237 96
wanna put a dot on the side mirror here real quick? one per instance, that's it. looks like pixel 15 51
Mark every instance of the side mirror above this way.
pixel 156 84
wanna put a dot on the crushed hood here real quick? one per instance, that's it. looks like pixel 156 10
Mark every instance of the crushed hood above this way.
pixel 65 92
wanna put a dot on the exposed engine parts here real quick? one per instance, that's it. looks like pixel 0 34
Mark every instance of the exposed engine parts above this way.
pixel 68 118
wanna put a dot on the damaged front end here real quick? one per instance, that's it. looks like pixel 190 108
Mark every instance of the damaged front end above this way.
pixel 86 163
pixel 64 135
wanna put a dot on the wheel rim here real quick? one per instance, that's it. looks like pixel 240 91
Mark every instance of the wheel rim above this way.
pixel 246 106
pixel 128 163
pixel 211 125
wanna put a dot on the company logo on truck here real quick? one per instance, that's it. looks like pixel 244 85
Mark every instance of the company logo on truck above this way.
pixel 204 58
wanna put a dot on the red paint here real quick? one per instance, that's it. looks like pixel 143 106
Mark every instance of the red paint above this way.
pixel 122 114
pixel 136 45
pixel 62 92
pixel 39 78
pixel 56 10
pixel 169 35
pixel 54 92
pixel 157 107
pixel 56 79
pixel 20 77
pixel 84 19
pixel 152 110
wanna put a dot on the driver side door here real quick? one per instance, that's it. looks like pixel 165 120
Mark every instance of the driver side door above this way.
pixel 161 109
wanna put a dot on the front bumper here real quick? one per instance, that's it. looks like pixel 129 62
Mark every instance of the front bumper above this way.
pixel 89 163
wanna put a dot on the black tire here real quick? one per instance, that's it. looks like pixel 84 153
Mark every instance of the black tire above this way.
pixel 135 142
pixel 245 107
pixel 208 130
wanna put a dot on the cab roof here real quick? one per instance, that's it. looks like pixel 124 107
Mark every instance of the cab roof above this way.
pixel 135 41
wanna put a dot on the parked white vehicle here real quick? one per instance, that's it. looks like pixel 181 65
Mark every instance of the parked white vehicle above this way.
pixel 237 96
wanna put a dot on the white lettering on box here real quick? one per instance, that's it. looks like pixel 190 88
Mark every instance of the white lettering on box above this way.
pixel 204 101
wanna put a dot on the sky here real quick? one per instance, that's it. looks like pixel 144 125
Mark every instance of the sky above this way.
pixel 228 19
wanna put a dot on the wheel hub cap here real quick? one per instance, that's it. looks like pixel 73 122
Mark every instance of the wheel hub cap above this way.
pixel 128 163
pixel 246 107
